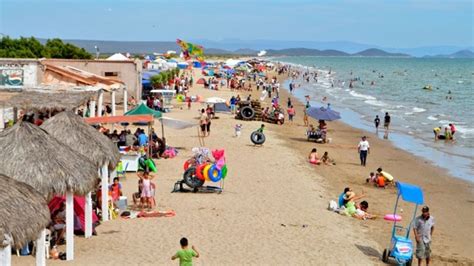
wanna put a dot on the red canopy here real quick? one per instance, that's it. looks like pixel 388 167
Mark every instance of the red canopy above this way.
pixel 120 119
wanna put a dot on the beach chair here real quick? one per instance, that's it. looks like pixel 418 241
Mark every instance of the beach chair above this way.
pixel 47 244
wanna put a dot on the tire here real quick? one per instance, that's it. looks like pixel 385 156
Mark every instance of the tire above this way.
pixel 385 256
pixel 257 138
pixel 247 112
pixel 190 178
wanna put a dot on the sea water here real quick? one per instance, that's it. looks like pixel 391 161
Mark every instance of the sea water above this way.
pixel 396 86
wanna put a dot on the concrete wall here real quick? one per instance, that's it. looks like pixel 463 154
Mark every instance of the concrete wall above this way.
pixel 17 74
pixel 128 71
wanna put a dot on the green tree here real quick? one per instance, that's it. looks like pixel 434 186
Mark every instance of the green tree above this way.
pixel 32 48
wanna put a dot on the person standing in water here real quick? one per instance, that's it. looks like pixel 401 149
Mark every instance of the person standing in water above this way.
pixel 386 124
pixel 377 123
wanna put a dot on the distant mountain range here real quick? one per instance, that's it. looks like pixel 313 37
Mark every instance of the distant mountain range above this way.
pixel 459 54
pixel 273 48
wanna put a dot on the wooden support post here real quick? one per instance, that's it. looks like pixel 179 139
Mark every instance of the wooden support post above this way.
pixel 69 226
pixel 105 192
pixel 113 103
pixel 41 249
pixel 125 100
pixel 88 218
pixel 100 103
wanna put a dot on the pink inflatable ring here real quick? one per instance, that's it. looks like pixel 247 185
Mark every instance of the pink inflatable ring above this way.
pixel 392 217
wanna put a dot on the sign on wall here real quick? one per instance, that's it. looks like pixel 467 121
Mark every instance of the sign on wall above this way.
pixel 11 77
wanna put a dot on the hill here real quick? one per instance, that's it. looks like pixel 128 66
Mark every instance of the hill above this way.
pixel 466 53
pixel 141 47
pixel 377 52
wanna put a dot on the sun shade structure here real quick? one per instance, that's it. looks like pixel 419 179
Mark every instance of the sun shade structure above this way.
pixel 142 109
pixel 44 101
pixel 31 155
pixel 410 193
pixel 322 113
pixel 25 215
pixel 24 212
pixel 73 131
pixel 120 119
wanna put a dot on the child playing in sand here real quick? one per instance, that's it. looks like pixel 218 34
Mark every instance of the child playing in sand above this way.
pixel 262 127
pixel 371 178
pixel 185 255
pixel 238 130
pixel 326 160
pixel 314 157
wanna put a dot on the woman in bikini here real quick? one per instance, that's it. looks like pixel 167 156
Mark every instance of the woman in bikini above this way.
pixel 314 157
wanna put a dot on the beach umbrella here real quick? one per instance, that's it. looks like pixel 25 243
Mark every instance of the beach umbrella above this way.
pixel 31 155
pixel 322 113
pixel 201 81
pixel 71 130
pixel 25 215
pixel 213 100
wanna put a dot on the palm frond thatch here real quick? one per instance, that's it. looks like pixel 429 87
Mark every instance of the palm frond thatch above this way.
pixel 29 154
pixel 23 211
pixel 74 132
pixel 43 101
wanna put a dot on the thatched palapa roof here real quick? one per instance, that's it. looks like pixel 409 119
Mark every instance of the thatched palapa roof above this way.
pixel 29 154
pixel 74 132
pixel 43 101
pixel 24 212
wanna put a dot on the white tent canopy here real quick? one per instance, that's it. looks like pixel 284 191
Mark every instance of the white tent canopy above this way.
pixel 232 62
pixel 118 57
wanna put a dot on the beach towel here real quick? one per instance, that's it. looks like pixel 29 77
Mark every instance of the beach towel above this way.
pixel 156 214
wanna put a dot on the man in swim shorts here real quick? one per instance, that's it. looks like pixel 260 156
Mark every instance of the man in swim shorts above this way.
pixel 386 124
pixel 203 122
pixel 377 123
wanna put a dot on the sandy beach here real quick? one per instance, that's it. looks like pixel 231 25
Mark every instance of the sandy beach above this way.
pixel 273 208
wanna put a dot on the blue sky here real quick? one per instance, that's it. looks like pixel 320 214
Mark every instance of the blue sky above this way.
pixel 391 23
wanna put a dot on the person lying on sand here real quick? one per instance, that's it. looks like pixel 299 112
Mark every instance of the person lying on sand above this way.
pixel 361 211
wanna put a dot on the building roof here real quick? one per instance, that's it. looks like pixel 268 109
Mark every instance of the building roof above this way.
pixel 44 101
pixel 118 57
pixel 80 75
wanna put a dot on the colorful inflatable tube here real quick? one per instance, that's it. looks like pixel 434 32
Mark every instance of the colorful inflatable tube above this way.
pixel 392 217
pixel 224 171
pixel 214 174
pixel 199 171
pixel 205 172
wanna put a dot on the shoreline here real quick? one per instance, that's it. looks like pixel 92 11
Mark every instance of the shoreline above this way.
pixel 446 194
pixel 455 158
